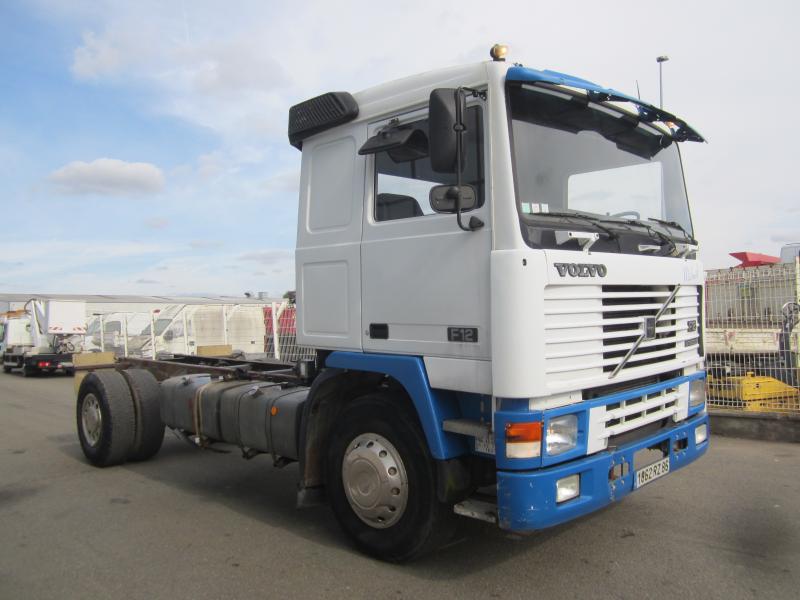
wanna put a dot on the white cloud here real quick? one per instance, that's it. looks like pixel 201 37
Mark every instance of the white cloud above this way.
pixel 95 58
pixel 108 176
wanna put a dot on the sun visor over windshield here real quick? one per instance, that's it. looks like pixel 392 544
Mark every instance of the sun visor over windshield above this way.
pixel 681 131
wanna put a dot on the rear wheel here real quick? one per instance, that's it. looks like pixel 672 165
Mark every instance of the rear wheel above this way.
pixel 146 395
pixel 382 481
pixel 106 418
pixel 6 369
pixel 28 371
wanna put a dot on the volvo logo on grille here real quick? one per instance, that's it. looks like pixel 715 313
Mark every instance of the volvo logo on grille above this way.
pixel 649 329
pixel 580 270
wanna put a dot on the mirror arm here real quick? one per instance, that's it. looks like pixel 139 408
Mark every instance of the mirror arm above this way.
pixel 474 222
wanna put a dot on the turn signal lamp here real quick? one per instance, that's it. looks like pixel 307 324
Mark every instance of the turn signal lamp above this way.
pixel 524 440
pixel 498 52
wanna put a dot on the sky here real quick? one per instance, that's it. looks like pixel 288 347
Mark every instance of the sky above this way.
pixel 143 144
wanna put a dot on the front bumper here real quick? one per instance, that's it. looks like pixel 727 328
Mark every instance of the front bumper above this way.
pixel 526 500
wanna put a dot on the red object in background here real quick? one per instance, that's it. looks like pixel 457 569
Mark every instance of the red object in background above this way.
pixel 287 322
pixel 754 259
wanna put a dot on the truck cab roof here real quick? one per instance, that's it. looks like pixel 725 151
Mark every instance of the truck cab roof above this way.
pixel 335 108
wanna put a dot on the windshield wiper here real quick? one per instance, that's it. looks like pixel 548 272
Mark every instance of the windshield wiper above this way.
pixel 665 240
pixel 595 221
pixel 675 225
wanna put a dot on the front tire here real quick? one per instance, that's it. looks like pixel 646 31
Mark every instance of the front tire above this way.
pixel 381 480
pixel 106 418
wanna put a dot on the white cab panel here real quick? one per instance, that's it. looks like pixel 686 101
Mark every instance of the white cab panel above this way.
pixel 553 334
pixel 328 258
pixel 423 274
pixel 460 375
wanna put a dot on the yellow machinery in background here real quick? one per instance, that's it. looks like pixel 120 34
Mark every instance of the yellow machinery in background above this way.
pixel 755 392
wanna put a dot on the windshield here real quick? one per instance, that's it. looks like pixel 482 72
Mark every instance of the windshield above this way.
pixel 611 172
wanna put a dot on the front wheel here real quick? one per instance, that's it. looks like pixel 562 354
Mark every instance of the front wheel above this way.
pixel 382 481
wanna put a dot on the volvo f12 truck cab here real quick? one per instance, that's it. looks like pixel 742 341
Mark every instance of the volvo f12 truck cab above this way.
pixel 497 267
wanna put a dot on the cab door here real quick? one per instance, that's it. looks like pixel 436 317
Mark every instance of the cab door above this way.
pixel 425 281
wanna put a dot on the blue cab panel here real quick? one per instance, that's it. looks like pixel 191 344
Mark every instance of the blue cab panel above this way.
pixel 526 500
pixel 433 406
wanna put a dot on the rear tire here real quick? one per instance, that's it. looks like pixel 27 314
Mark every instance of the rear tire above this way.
pixel 106 418
pixel 375 438
pixel 29 371
pixel 6 369
pixel 146 395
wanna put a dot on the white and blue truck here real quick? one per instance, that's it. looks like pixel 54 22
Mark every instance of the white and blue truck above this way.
pixel 497 268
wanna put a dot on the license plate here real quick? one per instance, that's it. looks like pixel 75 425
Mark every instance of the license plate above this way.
pixel 485 444
pixel 652 472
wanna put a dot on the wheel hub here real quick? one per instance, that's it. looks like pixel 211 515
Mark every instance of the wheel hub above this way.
pixel 375 481
pixel 91 419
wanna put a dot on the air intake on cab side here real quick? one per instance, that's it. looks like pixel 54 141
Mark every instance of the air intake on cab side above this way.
pixel 319 114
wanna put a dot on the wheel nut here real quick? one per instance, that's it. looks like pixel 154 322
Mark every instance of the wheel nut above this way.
pixel 392 471
pixel 382 454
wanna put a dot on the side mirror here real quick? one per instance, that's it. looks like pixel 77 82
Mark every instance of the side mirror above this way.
pixel 444 106
pixel 443 198
pixel 169 335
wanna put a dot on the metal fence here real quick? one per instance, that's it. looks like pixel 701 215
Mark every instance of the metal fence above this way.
pixel 751 338
pixel 281 325
pixel 252 330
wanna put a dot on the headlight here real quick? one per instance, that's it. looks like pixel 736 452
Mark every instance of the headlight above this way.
pixel 697 393
pixel 562 434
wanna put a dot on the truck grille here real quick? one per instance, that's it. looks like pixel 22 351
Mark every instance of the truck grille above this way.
pixel 637 412
pixel 590 329
pixel 624 307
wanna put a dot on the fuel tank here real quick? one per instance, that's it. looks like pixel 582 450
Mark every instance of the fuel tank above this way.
pixel 260 415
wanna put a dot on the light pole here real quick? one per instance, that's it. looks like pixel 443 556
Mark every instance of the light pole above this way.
pixel 661 60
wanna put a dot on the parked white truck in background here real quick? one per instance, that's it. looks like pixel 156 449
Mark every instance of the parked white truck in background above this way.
pixel 498 270
pixel 41 337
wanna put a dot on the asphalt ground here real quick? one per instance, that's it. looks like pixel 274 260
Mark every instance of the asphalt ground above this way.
pixel 194 524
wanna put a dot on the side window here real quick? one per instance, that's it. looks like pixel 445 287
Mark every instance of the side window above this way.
pixel 402 188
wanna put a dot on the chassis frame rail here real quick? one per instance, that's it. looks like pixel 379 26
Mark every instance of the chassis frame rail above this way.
pixel 228 368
